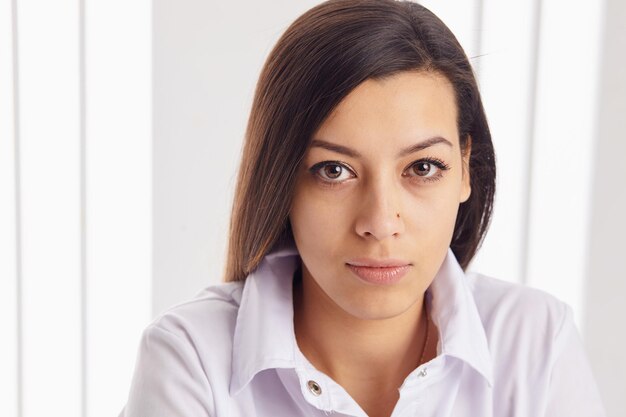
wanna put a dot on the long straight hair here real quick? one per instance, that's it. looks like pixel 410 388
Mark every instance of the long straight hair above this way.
pixel 321 57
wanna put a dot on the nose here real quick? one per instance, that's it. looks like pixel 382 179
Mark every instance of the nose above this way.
pixel 380 215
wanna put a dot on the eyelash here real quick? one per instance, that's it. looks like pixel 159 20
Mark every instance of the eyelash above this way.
pixel 441 166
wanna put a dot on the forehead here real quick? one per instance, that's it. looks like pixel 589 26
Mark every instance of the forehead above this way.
pixel 397 110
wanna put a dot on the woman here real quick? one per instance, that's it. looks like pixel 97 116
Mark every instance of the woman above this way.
pixel 365 189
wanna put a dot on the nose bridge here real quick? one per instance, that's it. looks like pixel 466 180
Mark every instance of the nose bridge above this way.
pixel 383 193
pixel 380 208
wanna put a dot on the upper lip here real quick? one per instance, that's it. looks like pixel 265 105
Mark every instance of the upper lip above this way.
pixel 377 263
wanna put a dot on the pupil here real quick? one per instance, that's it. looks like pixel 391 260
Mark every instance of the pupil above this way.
pixel 333 171
pixel 423 168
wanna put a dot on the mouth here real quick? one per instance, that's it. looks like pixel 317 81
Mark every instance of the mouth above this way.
pixel 379 272
pixel 373 263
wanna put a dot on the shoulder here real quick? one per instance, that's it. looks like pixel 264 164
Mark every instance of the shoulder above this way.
pixel 183 360
pixel 214 306
pixel 203 326
pixel 515 306
pixel 525 327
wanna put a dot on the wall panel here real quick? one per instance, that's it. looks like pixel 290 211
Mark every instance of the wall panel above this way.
pixel 506 69
pixel 563 153
pixel 49 181
pixel 118 177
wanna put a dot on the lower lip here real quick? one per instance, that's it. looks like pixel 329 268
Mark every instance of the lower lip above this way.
pixel 381 276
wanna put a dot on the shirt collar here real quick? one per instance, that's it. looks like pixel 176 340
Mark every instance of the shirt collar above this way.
pixel 264 336
pixel 454 312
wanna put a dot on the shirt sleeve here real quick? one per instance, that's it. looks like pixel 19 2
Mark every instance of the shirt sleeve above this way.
pixel 572 390
pixel 168 379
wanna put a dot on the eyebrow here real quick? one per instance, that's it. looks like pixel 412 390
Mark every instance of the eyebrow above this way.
pixel 319 143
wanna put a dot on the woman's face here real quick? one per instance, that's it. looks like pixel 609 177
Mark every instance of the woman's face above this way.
pixel 382 179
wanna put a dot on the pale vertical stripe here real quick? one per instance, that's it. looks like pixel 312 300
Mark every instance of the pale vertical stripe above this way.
pixel 478 29
pixel 530 117
pixel 507 62
pixel 50 206
pixel 118 83
pixel 8 230
pixel 83 226
pixel 605 285
pixel 562 160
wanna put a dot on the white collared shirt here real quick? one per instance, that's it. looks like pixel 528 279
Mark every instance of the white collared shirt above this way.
pixel 504 350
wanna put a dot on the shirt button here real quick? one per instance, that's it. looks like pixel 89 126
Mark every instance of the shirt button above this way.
pixel 423 373
pixel 314 388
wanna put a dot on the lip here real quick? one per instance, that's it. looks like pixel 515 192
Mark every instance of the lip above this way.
pixel 374 263
pixel 380 272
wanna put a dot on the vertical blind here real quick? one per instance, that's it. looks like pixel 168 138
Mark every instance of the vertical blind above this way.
pixel 75 198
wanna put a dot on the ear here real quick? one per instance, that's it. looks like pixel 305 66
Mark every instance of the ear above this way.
pixel 466 187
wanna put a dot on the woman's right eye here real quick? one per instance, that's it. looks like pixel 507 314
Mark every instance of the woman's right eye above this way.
pixel 332 171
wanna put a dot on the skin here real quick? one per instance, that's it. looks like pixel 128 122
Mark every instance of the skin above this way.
pixel 368 337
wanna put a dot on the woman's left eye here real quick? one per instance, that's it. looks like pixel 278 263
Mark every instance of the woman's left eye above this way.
pixel 428 169
pixel 424 169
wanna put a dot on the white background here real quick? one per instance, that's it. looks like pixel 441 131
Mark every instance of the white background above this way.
pixel 120 132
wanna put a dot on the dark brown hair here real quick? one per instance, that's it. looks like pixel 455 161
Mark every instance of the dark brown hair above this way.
pixel 321 57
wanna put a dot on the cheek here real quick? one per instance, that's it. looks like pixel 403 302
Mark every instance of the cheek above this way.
pixel 317 230
pixel 432 224
pixel 432 215
pixel 316 223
